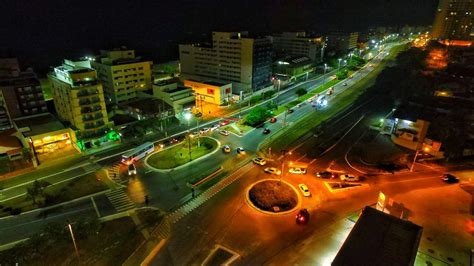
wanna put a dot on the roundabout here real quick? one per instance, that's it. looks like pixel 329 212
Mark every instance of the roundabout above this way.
pixel 273 196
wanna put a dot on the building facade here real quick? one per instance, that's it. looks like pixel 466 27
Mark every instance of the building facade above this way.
pixel 20 93
pixel 79 99
pixel 210 92
pixel 342 40
pixel 180 97
pixel 453 20
pixel 232 57
pixel 122 74
pixel 299 44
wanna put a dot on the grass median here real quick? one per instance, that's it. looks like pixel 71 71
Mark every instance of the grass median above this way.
pixel 180 154
pixel 286 137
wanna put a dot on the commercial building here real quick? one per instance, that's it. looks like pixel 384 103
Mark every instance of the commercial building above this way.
pixel 232 57
pixel 293 66
pixel 210 91
pixel 453 20
pixel 180 97
pixel 122 74
pixel 20 93
pixel 342 40
pixel 299 44
pixel 79 99
pixel 379 238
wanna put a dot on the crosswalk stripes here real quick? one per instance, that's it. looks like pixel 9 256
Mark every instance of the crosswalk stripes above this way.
pixel 120 200
pixel 114 173
pixel 208 194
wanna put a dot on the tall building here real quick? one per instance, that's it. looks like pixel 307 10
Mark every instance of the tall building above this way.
pixel 79 99
pixel 20 91
pixel 453 20
pixel 122 74
pixel 342 40
pixel 299 44
pixel 232 57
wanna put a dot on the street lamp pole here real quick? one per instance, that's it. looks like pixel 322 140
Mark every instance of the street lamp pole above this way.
pixel 325 68
pixel 189 141
pixel 340 59
pixel 73 240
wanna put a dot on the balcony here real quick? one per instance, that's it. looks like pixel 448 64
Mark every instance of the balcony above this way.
pixel 86 93
pixel 87 110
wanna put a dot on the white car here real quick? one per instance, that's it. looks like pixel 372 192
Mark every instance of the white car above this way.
pixel 349 178
pixel 224 132
pixel 214 127
pixel 226 148
pixel 240 150
pixel 132 170
pixel 204 130
pixel 305 190
pixel 297 171
pixel 272 171
pixel 259 161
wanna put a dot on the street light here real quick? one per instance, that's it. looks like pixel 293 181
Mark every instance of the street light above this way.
pixel 73 241
pixel 190 136
pixel 188 116
pixel 340 59
pixel 283 162
pixel 325 68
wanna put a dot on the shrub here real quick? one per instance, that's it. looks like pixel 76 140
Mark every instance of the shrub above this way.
pixel 15 211
pixel 301 92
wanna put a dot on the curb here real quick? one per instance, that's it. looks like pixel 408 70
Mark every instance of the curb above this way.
pixel 184 165
pixel 249 202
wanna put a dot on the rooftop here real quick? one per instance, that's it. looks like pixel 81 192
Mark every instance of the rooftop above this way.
pixel 149 105
pixel 380 239
pixel 213 83
pixel 38 124
pixel 7 139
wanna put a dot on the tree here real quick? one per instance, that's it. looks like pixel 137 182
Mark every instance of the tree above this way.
pixel 35 192
pixel 257 116
pixel 300 92
pixel 342 74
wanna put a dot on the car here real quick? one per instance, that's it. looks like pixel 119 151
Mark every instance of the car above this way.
pixel 290 111
pixel 204 130
pixel 240 150
pixel 259 161
pixel 226 148
pixel 305 190
pixel 302 217
pixel 297 171
pixel 273 120
pixel 224 123
pixel 345 84
pixel 132 170
pixel 224 132
pixel 325 174
pixel 214 127
pixel 349 178
pixel 174 140
pixel 449 178
pixel 194 134
pixel 272 171
pixel 266 131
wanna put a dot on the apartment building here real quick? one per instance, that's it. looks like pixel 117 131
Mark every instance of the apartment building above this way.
pixel 342 40
pixel 231 57
pixel 20 93
pixel 122 74
pixel 79 99
pixel 299 44
pixel 453 20
pixel 180 97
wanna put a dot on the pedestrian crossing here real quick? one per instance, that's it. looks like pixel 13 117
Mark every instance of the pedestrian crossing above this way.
pixel 120 200
pixel 113 173
pixel 163 230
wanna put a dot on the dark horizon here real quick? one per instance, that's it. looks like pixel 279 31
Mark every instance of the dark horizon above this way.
pixel 42 33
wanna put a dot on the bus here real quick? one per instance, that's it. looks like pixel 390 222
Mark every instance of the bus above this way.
pixel 137 153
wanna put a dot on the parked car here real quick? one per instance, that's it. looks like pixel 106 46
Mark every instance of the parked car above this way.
pixel 226 148
pixel 273 120
pixel 224 132
pixel 297 171
pixel 204 130
pixel 266 131
pixel 449 178
pixel 305 190
pixel 345 84
pixel 240 150
pixel 132 170
pixel 290 111
pixel 325 174
pixel 214 127
pixel 349 178
pixel 302 217
pixel 272 171
pixel 259 161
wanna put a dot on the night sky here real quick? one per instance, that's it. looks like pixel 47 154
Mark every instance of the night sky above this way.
pixel 41 32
